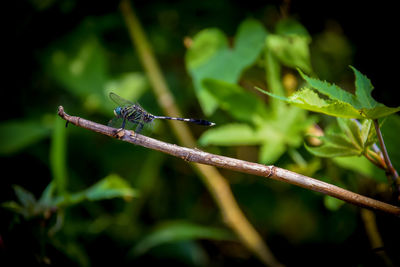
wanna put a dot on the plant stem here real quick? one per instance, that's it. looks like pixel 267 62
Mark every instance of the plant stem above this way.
pixel 196 155
pixel 390 170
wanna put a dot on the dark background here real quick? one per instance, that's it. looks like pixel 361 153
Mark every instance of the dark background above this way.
pixel 31 28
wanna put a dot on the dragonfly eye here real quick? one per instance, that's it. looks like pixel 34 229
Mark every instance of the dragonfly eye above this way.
pixel 117 112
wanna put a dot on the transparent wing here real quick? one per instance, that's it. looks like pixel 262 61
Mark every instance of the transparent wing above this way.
pixel 119 100
pixel 117 123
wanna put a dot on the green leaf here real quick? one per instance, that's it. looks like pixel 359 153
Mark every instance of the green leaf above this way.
pixel 229 135
pixel 361 103
pixel 333 91
pixel 82 69
pixel 18 134
pixel 332 203
pixel 390 131
pixel 351 139
pixel 110 187
pixel 26 198
pixel 352 131
pixel 232 98
pixel 309 100
pixel 179 231
pixel 27 206
pixel 363 90
pixel 271 150
pixel 292 50
pixel 211 57
pixel 334 146
pixel 14 207
pixel 362 166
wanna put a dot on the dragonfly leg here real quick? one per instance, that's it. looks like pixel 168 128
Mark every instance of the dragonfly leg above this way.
pixel 139 127
pixel 123 124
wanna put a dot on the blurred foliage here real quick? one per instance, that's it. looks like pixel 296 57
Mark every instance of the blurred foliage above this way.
pixel 72 197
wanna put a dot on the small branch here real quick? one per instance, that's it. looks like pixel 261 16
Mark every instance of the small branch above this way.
pixel 195 155
pixel 390 170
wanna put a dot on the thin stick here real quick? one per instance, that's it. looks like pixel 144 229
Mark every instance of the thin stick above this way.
pixel 196 155
pixel 390 170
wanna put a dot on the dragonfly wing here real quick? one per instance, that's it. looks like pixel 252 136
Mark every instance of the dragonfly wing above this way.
pixel 122 102
pixel 117 123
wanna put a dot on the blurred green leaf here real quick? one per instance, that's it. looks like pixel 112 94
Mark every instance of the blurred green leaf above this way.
pixel 26 206
pixel 282 130
pixel 230 134
pixel 332 203
pixel 82 69
pixel 288 46
pixel 292 50
pixel 110 187
pixel 290 26
pixel 18 134
pixel 271 150
pixel 232 98
pixel 130 86
pixel 26 198
pixel 211 57
pixel 362 166
pixel 179 231
pixel 14 207
pixel 58 155
pixel 390 131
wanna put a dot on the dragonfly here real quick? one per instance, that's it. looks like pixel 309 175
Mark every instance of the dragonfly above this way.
pixel 134 113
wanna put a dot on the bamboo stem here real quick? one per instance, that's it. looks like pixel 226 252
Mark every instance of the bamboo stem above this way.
pixel 215 182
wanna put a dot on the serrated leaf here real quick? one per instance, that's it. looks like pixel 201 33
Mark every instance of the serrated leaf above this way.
pixel 178 231
pixel 211 57
pixel 363 91
pixel 310 100
pixel 333 91
pixel 362 101
pixel 229 135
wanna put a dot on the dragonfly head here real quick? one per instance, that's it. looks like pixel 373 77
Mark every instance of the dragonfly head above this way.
pixel 117 112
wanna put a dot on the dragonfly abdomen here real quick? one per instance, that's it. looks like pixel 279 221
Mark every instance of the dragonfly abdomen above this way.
pixel 195 121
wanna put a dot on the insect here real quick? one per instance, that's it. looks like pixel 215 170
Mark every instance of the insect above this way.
pixel 134 113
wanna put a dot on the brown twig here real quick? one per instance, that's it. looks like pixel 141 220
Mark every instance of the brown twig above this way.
pixel 195 155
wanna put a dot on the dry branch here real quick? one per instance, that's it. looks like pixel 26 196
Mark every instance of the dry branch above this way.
pixel 198 156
